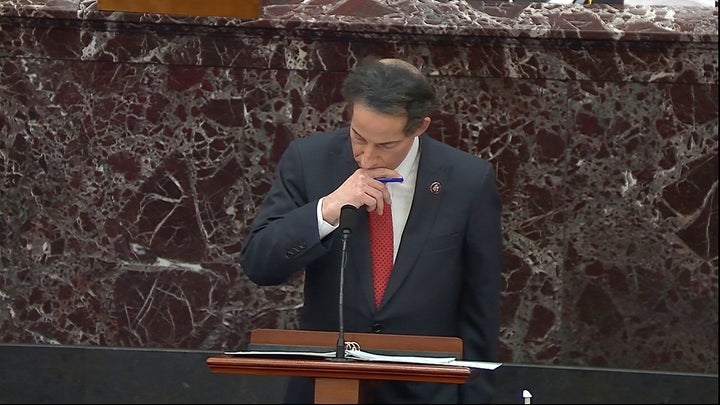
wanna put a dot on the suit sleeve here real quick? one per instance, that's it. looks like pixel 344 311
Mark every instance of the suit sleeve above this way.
pixel 479 327
pixel 284 236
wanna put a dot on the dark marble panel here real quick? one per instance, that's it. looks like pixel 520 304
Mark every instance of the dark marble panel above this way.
pixel 629 256
pixel 39 374
pixel 505 52
pixel 107 375
pixel 135 149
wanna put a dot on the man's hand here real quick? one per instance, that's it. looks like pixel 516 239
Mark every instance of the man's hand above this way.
pixel 359 189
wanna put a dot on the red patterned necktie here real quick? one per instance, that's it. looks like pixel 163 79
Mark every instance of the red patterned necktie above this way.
pixel 381 250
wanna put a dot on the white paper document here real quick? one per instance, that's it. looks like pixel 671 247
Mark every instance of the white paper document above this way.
pixel 353 352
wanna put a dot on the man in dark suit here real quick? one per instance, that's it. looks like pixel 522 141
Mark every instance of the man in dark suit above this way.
pixel 447 242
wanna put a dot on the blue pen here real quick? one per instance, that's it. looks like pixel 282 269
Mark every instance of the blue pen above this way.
pixel 389 179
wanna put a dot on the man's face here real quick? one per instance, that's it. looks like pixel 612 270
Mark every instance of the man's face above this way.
pixel 378 139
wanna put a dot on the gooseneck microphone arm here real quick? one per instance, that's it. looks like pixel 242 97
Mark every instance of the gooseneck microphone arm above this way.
pixel 340 349
pixel 348 215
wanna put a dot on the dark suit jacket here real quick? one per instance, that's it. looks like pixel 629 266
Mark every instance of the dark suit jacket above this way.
pixel 446 277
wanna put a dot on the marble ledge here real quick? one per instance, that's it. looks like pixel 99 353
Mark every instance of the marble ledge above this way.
pixel 431 18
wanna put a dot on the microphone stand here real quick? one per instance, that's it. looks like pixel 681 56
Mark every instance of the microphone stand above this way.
pixel 348 215
pixel 340 348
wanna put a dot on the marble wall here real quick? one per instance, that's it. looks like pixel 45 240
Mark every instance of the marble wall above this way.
pixel 135 149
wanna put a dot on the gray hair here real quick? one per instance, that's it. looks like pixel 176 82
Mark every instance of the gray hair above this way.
pixel 391 86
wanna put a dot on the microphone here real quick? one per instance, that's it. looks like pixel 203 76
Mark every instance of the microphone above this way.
pixel 348 218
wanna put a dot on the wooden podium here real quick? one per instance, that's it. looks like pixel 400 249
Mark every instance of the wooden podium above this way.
pixel 343 382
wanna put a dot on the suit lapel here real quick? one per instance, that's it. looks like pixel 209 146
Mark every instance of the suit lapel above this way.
pixel 422 217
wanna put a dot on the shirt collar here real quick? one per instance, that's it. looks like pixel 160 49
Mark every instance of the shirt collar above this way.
pixel 405 167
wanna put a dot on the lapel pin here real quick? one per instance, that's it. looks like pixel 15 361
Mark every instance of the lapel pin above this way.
pixel 435 187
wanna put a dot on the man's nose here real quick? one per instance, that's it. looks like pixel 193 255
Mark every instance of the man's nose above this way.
pixel 368 157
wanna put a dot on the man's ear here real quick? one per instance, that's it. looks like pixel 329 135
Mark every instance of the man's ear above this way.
pixel 423 127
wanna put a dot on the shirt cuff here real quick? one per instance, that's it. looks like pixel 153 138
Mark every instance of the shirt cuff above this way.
pixel 324 228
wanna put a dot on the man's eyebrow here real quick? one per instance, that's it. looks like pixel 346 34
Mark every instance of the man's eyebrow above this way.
pixel 356 132
pixel 360 135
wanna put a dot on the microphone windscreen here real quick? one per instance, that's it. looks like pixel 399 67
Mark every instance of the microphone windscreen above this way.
pixel 348 218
